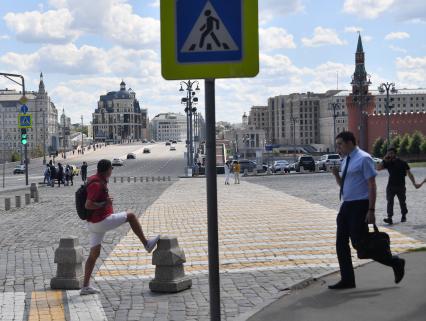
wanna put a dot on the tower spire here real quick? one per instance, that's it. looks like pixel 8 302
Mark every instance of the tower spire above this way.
pixel 41 88
pixel 359 47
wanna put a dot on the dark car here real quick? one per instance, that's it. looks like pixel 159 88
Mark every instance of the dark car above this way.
pixel 306 162
pixel 168 144
pixel 131 156
pixel 247 164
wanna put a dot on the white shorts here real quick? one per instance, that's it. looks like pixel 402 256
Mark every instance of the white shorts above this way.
pixel 97 230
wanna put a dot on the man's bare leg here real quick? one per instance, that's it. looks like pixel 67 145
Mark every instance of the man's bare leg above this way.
pixel 136 227
pixel 90 264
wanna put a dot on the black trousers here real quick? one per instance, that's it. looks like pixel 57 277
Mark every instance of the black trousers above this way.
pixel 400 192
pixel 351 225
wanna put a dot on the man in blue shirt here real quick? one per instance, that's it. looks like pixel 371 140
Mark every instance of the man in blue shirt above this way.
pixel 358 192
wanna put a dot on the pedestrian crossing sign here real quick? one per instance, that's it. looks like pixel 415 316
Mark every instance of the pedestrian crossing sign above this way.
pixel 209 39
pixel 25 121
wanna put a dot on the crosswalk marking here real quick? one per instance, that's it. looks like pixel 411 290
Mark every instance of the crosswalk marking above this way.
pixel 47 306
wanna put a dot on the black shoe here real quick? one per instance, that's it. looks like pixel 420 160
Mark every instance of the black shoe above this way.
pixel 403 219
pixel 399 270
pixel 341 285
pixel 388 220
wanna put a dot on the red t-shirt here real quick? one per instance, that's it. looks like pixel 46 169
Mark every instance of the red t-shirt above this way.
pixel 98 192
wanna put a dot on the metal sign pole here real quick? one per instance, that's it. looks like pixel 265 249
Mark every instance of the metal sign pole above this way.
pixel 212 217
pixel 26 163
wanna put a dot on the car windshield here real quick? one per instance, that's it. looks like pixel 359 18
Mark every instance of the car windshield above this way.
pixel 333 156
pixel 306 158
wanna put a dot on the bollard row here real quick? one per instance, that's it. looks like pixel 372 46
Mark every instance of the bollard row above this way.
pixel 18 200
pixel 143 179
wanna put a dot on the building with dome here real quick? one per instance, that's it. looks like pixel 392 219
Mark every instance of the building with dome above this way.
pixel 119 117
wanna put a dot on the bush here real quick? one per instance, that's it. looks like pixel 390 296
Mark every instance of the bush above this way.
pixel 377 147
pixel 423 147
pixel 415 143
pixel 403 147
pixel 396 142
pixel 385 147
pixel 15 157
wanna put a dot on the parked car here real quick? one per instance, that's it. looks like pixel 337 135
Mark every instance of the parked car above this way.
pixel 172 148
pixel 117 162
pixel 168 144
pixel 174 142
pixel 146 150
pixel 144 141
pixel 131 156
pixel 247 164
pixel 19 169
pixel 280 165
pixel 291 167
pixel 329 159
pixel 307 162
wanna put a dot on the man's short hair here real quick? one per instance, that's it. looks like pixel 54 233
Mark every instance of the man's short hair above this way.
pixel 392 149
pixel 104 165
pixel 347 137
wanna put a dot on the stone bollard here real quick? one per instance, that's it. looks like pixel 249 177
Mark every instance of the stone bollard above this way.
pixel 28 199
pixel 141 179
pixel 159 178
pixel 128 179
pixel 147 179
pixel 122 179
pixel 164 178
pixel 169 178
pixel 7 203
pixel 69 257
pixel 33 189
pixel 115 179
pixel 268 171
pixel 135 179
pixel 255 171
pixel 37 197
pixel 153 178
pixel 168 259
pixel 17 201
pixel 282 171
pixel 245 172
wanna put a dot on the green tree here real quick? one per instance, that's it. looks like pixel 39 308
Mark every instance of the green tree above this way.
pixel 385 147
pixel 423 146
pixel 415 143
pixel 377 147
pixel 403 147
pixel 396 142
pixel 15 156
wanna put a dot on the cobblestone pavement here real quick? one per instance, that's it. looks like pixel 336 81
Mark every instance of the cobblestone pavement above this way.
pixel 269 240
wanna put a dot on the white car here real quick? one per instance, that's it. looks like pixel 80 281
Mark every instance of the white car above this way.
pixel 117 162
pixel 19 169
pixel 280 165
pixel 329 160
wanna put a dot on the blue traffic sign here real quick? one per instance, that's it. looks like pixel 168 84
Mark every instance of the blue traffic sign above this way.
pixel 25 121
pixel 209 31
pixel 24 109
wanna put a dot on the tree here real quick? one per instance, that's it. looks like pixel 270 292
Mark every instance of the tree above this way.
pixel 396 142
pixel 15 156
pixel 377 147
pixel 403 147
pixel 415 142
pixel 423 146
pixel 385 148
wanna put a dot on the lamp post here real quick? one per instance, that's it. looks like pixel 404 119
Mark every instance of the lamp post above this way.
pixel 335 106
pixel 82 140
pixel 293 121
pixel 44 138
pixel 387 87
pixel 189 101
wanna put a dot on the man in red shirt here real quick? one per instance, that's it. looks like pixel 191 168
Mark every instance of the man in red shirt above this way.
pixel 104 219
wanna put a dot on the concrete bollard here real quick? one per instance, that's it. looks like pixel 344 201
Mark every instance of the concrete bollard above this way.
pixel 7 203
pixel 255 171
pixel 115 179
pixel 169 178
pixel 141 179
pixel 159 178
pixel 122 179
pixel 153 178
pixel 135 179
pixel 164 178
pixel 268 171
pixel 28 199
pixel 18 201
pixel 33 189
pixel 128 179
pixel 37 197
pixel 69 258
pixel 168 259
pixel 282 171
pixel 245 172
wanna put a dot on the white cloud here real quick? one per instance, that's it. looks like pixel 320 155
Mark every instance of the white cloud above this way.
pixel 369 9
pixel 353 29
pixel 271 9
pixel 155 4
pixel 4 37
pixel 413 10
pixel 323 36
pixel 275 38
pixel 397 49
pixel 51 26
pixel 411 71
pixel 367 38
pixel 397 35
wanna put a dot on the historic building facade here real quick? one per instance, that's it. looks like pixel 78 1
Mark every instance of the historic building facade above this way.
pixel 169 126
pixel 119 117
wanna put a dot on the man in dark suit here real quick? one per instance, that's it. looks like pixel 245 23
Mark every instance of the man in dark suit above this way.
pixel 358 192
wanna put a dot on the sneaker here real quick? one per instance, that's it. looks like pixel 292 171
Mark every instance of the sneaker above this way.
pixel 388 220
pixel 403 219
pixel 150 245
pixel 89 290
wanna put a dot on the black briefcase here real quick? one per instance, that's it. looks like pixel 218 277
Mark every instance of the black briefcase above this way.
pixel 374 245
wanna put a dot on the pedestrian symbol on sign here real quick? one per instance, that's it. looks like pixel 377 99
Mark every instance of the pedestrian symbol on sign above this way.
pixel 209 34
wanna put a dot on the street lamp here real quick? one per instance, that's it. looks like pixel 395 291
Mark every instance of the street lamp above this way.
pixel 335 106
pixel 386 87
pixel 189 101
pixel 294 120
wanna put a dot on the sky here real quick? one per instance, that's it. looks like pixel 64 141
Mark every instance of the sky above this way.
pixel 85 48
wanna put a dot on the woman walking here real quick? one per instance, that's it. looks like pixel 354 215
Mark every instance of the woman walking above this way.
pixel 227 172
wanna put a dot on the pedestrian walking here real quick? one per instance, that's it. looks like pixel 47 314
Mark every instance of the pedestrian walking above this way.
pixel 358 192
pixel 52 173
pixel 236 170
pixel 60 175
pixel 397 169
pixel 83 172
pixel 227 168
pixel 46 175
pixel 104 219
pixel 67 174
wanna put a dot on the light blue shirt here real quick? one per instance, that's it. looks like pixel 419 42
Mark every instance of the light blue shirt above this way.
pixel 361 169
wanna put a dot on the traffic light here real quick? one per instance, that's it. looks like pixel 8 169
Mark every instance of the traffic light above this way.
pixel 24 137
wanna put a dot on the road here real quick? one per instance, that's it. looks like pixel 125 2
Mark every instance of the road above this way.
pixel 161 161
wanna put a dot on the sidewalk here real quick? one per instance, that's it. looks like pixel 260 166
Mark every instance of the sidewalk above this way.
pixel 376 297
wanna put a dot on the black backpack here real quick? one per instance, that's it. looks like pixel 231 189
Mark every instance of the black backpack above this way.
pixel 80 201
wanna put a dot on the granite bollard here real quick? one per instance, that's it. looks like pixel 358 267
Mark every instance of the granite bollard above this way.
pixel 27 199
pixel 168 259
pixel 69 258
pixel 17 201
pixel 33 189
pixel 7 204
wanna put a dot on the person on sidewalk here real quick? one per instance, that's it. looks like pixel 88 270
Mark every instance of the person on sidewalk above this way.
pixel 52 173
pixel 83 171
pixel 227 168
pixel 236 170
pixel 104 219
pixel 358 192
pixel 46 179
pixel 60 175
pixel 397 169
